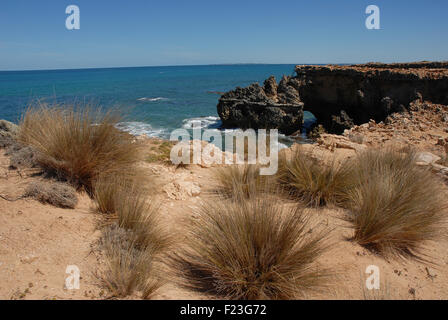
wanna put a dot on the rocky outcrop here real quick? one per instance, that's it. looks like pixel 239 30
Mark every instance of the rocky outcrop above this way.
pixel 343 96
pixel 273 106
pixel 8 132
pixel 339 96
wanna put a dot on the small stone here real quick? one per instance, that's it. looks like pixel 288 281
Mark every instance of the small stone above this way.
pixel 427 157
pixel 430 273
pixel 28 258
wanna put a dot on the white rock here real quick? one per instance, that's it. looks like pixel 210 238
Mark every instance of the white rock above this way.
pixel 427 157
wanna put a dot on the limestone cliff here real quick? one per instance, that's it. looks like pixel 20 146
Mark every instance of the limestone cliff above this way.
pixel 339 96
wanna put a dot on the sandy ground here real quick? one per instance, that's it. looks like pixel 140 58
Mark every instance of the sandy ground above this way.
pixel 38 242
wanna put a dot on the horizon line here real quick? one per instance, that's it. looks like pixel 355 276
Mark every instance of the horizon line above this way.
pixel 173 65
pixel 214 64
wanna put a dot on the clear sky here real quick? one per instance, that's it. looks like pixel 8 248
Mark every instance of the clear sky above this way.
pixel 146 32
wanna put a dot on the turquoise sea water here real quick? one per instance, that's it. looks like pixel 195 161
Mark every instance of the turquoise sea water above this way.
pixel 154 100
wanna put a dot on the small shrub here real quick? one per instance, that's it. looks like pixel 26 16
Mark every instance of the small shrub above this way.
pixel 21 157
pixel 251 250
pixel 314 182
pixel 396 205
pixel 77 144
pixel 55 193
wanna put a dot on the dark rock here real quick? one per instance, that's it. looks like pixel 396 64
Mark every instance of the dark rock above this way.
pixel 341 122
pixel 270 87
pixel 267 107
pixel 286 92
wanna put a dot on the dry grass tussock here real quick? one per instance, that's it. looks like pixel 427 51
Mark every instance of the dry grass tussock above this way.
pixel 314 182
pixel 135 243
pixel 240 181
pixel 253 249
pixel 110 189
pixel 396 205
pixel 77 143
pixel 129 267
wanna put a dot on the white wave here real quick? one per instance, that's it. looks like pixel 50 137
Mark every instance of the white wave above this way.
pixel 209 122
pixel 140 128
pixel 146 99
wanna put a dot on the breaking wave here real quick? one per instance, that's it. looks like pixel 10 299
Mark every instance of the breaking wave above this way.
pixel 146 99
pixel 141 128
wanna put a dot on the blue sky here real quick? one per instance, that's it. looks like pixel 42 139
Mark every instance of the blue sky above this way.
pixel 146 32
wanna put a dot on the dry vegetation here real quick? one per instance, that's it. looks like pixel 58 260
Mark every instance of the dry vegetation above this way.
pixel 312 182
pixel 129 266
pixel 83 146
pixel 254 249
pixel 133 244
pixel 396 206
pixel 240 181
pixel 77 144
pixel 243 244
pixel 160 151
pixel 55 193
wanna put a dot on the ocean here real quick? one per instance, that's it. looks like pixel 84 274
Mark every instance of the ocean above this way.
pixel 153 100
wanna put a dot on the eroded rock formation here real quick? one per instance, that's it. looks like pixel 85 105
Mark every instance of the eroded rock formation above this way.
pixel 339 96
pixel 269 107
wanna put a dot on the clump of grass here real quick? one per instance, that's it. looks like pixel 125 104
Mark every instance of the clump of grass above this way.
pixel 254 249
pixel 396 205
pixel 55 193
pixel 313 182
pixel 129 266
pixel 77 144
pixel 134 244
pixel 240 181
pixel 105 193
pixel 139 213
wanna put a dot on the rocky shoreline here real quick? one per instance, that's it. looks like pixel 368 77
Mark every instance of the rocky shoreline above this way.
pixel 339 96
pixel 269 107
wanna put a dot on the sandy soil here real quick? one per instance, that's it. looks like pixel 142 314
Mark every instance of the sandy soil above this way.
pixel 38 242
